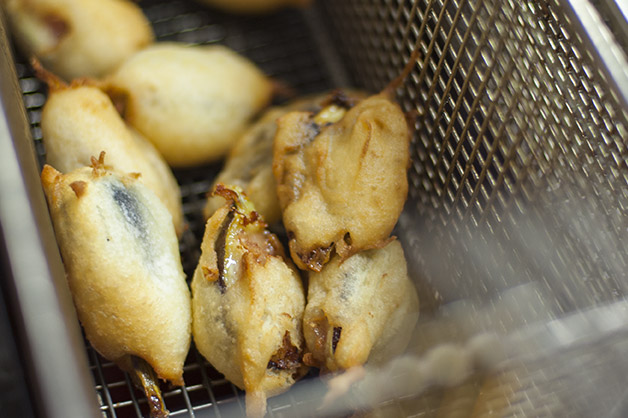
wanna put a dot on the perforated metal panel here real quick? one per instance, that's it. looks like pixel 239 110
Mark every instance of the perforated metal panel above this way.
pixel 519 183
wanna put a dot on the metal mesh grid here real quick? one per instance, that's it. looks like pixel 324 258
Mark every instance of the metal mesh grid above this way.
pixel 517 128
pixel 520 167
pixel 515 117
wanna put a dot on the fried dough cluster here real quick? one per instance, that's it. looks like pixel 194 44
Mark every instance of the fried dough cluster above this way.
pixel 331 168
pixel 340 179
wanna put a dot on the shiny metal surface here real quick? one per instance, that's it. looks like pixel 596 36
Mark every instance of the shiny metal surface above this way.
pixel 283 47
pixel 517 220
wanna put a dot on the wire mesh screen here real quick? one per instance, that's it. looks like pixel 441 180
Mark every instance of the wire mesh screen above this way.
pixel 519 182
pixel 283 47
pixel 518 185
pixel 515 117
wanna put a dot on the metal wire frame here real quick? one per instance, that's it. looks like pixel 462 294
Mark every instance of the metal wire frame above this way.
pixel 515 116
pixel 512 106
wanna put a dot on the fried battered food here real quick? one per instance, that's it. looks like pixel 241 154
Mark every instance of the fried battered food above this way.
pixel 249 164
pixel 253 6
pixel 361 309
pixel 79 120
pixel 123 267
pixel 191 102
pixel 247 303
pixel 79 38
pixel 341 178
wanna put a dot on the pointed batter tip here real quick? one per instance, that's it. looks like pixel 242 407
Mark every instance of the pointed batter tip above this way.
pixel 98 165
pixel 53 81
pixel 49 175
pixel 255 404
pixel 50 180
pixel 389 90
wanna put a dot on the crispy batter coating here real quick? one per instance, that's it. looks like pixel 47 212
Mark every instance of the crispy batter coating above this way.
pixel 249 164
pixel 341 178
pixel 79 38
pixel 79 121
pixel 191 102
pixel 361 309
pixel 123 267
pixel 247 303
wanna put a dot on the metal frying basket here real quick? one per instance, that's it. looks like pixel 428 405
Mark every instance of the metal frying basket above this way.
pixel 516 223
pixel 517 115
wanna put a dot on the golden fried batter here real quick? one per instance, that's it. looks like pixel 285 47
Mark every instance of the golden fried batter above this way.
pixel 249 164
pixel 79 121
pixel 341 178
pixel 121 257
pixel 247 303
pixel 253 6
pixel 79 38
pixel 362 308
pixel 191 102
